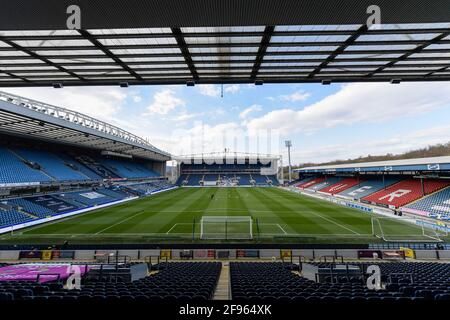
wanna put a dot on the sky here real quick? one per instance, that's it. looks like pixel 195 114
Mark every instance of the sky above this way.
pixel 324 122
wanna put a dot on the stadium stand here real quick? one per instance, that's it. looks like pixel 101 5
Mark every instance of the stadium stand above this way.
pixel 310 183
pixel 13 170
pixel 298 182
pixel 148 188
pixel 88 197
pixel 436 205
pixel 171 280
pixel 327 182
pixel 405 192
pixel 10 217
pixel 194 179
pixel 127 169
pixel 226 171
pixel 50 164
pixel 341 186
pixel 368 187
pixel 78 166
pixel 96 167
pixel 43 206
pixel 408 281
pixel 243 179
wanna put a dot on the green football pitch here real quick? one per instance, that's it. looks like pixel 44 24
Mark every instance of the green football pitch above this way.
pixel 276 215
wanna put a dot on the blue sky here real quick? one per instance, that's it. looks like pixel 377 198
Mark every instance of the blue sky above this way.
pixel 338 121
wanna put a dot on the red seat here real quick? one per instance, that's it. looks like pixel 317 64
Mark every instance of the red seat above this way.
pixel 341 186
pixel 405 192
pixel 311 183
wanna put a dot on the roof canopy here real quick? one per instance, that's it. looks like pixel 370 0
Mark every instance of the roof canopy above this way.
pixel 222 41
pixel 32 119
pixel 419 164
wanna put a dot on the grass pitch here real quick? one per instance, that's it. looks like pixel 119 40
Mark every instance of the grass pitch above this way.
pixel 278 216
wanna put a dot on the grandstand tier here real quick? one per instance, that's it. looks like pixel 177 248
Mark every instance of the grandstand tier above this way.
pixel 25 162
pixel 404 192
pixel 408 281
pixel 324 183
pixel 436 205
pixel 310 183
pixel 228 171
pixel 368 187
pixel 341 186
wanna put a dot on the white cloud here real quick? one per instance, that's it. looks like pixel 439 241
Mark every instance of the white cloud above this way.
pixel 395 144
pixel 204 138
pixel 99 102
pixel 185 116
pixel 137 98
pixel 164 101
pixel 295 97
pixel 245 113
pixel 209 90
pixel 234 88
pixel 358 103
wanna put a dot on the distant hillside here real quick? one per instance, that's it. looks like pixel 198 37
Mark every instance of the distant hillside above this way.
pixel 430 151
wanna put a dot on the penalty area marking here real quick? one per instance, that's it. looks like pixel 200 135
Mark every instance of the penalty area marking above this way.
pixel 175 225
pixel 121 221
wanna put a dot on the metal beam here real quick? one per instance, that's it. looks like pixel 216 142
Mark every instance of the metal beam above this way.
pixel 29 52
pixel 265 41
pixel 350 41
pixel 405 56
pixel 232 80
pixel 231 34
pixel 185 51
pixel 108 53
pixel 222 45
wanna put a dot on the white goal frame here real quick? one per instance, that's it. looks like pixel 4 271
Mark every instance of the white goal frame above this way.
pixel 434 237
pixel 224 222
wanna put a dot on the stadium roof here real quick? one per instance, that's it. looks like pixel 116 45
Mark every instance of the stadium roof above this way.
pixel 222 41
pixel 229 155
pixel 419 164
pixel 32 119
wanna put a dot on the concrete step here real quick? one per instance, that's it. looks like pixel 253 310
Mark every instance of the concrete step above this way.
pixel 222 291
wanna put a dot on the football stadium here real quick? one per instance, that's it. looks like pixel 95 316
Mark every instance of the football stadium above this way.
pixel 92 212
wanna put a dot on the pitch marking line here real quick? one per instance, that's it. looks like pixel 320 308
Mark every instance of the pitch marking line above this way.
pixel 338 224
pixel 121 221
pixel 176 224
pixel 281 228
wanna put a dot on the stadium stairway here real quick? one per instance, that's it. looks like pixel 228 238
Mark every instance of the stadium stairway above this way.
pixel 222 291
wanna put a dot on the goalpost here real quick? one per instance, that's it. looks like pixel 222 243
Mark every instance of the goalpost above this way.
pixel 421 233
pixel 226 227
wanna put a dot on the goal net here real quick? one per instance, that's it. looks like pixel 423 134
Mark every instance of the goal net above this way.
pixel 406 230
pixel 226 227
